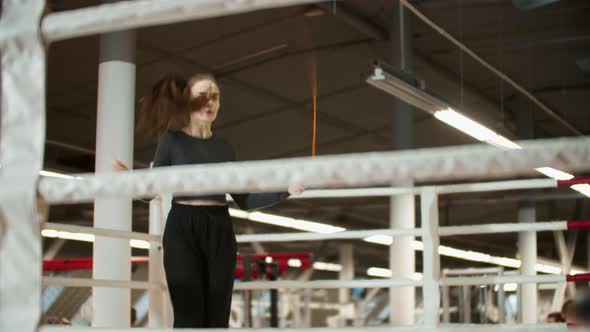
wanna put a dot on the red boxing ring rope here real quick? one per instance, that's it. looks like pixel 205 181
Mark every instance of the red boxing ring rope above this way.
pixel 578 224
pixel 282 261
pixel 577 180
pixel 580 277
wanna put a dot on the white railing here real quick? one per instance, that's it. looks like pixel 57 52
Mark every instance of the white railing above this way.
pixel 430 232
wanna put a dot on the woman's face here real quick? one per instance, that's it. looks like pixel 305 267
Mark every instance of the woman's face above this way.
pixel 205 101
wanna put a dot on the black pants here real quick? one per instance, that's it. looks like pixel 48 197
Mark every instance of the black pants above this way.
pixel 199 260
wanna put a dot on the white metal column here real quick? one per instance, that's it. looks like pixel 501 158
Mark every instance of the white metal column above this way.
pixel 347 273
pixel 22 130
pixel 527 245
pixel 157 314
pixel 446 300
pixel 527 241
pixel 466 304
pixel 566 252
pixel 431 258
pixel 114 140
pixel 402 261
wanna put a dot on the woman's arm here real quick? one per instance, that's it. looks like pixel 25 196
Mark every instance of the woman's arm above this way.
pixel 256 201
pixel 161 158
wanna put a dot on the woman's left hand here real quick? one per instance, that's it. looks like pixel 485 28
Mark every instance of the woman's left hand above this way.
pixel 296 190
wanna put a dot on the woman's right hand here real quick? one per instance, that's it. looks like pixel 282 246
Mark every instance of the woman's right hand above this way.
pixel 119 166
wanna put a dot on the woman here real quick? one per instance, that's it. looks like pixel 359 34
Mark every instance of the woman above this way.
pixel 199 242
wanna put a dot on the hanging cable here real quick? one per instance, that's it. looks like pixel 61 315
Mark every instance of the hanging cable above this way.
pixel 462 86
pixel 502 67
pixel 314 87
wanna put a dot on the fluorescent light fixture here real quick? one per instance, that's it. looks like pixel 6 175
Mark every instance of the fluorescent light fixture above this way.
pixel 51 233
pixel 582 188
pixel 423 100
pixel 549 269
pixel 558 175
pixel 385 240
pixel 327 266
pixel 237 213
pixel 404 91
pixel 554 173
pixel 417 245
pixel 56 175
pixel 510 287
pixel 139 244
pixel 464 124
pixel 379 272
pixel 469 255
pixel 474 129
pixel 386 273
pixel 563 176
pixel 294 262
pixel 300 224
pixel 67 235
pixel 502 142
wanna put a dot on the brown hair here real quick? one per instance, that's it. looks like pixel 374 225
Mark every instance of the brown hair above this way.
pixel 555 317
pixel 165 107
pixel 169 103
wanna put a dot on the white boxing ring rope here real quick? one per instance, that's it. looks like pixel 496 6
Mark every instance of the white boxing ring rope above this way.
pixel 362 169
pixel 140 13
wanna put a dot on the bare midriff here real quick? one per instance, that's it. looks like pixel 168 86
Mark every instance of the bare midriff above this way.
pixel 202 202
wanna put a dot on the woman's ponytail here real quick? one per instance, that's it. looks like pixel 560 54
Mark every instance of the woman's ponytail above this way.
pixel 165 107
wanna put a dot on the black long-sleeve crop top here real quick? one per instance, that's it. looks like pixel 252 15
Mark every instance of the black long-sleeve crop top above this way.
pixel 178 148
